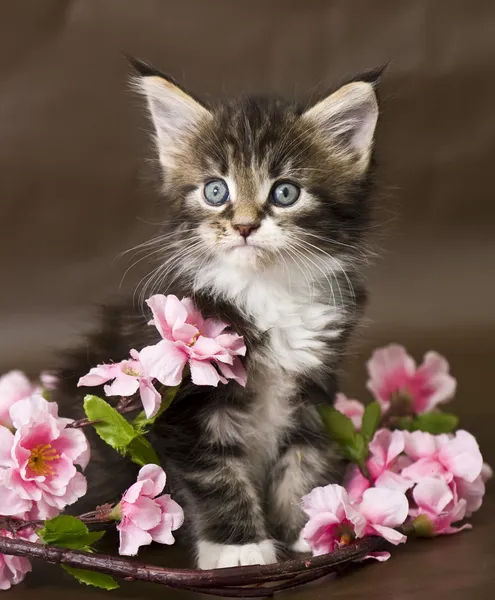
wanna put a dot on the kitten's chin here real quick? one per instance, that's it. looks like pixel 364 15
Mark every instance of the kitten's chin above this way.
pixel 244 256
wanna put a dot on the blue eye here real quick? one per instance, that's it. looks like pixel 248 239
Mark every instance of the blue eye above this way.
pixel 285 194
pixel 216 192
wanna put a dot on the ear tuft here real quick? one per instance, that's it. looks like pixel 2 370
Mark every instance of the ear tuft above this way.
pixel 371 76
pixel 144 69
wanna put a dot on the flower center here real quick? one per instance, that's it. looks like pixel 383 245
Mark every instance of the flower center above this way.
pixel 345 533
pixel 195 337
pixel 41 456
pixel 402 404
pixel 130 371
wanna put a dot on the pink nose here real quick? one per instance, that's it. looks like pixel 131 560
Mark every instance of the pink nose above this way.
pixel 246 230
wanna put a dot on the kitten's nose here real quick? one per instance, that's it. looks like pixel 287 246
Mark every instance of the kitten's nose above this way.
pixel 246 230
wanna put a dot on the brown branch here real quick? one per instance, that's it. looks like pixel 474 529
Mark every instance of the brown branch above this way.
pixel 220 582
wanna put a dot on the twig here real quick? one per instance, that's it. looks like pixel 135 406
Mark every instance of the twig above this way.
pixel 220 582
pixel 82 423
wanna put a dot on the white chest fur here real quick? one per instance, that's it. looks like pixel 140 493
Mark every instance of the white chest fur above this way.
pixel 286 306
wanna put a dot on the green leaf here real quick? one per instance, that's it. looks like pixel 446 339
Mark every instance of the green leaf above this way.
pixel 357 449
pixel 142 452
pixel 338 425
pixel 65 531
pixel 436 422
pixel 141 423
pixel 371 419
pixel 113 429
pixel 405 423
pixel 99 580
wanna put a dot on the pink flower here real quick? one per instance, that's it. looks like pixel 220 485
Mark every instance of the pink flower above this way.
pixel 350 408
pixel 145 515
pixel 40 470
pixel 437 508
pixel 336 521
pixel 14 386
pixel 14 568
pixel 442 456
pixel 188 338
pixel 128 376
pixel 394 377
pixel 333 519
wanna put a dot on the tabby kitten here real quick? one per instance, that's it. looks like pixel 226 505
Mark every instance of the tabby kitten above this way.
pixel 267 207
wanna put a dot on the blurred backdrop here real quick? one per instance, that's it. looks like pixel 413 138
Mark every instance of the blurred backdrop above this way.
pixel 76 189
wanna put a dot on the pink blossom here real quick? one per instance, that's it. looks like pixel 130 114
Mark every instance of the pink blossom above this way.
pixel 128 376
pixel 394 377
pixel 350 408
pixel 188 338
pixel 145 515
pixel 442 456
pixel 40 470
pixel 14 386
pixel 437 508
pixel 14 568
pixel 333 519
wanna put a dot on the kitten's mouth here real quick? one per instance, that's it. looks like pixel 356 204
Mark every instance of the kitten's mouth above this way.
pixel 245 245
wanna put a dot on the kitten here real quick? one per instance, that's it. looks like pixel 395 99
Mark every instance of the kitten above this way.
pixel 268 206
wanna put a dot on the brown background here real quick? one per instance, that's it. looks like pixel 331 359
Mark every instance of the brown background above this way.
pixel 75 191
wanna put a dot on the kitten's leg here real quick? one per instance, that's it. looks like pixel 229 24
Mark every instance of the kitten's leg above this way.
pixel 306 460
pixel 225 511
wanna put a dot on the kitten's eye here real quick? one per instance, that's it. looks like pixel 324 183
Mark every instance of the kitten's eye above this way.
pixel 285 194
pixel 216 192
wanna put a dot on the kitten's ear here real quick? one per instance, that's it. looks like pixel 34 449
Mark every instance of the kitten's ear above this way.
pixel 174 112
pixel 347 119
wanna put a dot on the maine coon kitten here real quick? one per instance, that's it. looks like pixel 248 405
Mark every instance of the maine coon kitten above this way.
pixel 267 207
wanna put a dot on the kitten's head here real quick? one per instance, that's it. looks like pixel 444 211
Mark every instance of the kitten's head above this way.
pixel 258 181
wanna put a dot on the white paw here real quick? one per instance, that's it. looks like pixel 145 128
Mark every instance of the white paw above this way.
pixel 217 556
pixel 301 545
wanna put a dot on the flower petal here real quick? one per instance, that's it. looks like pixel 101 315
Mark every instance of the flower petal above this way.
pixel 150 398
pixel 462 457
pixel 391 535
pixel 203 373
pixel 123 385
pixel 6 444
pixel 350 408
pixel 155 479
pixel 436 385
pixel 165 362
pixel 419 444
pixel 236 371
pixel 144 513
pixel 432 495
pixel 131 538
pixel 12 503
pixel 426 467
pixel 390 369
pixel 381 506
pixel 99 375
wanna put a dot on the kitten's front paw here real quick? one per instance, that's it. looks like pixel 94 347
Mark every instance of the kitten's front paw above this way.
pixel 301 546
pixel 216 556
